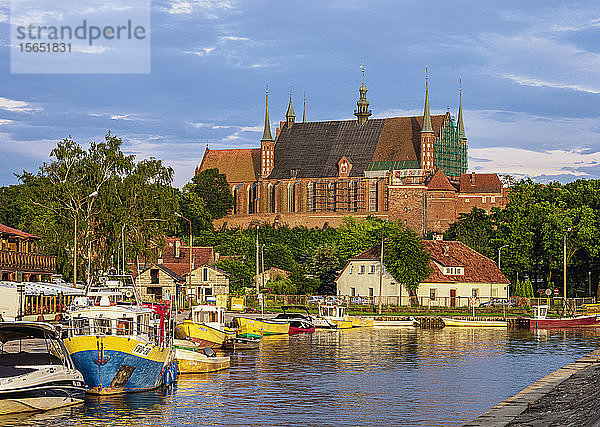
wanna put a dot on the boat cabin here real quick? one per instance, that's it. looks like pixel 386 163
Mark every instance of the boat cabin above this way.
pixel 540 311
pixel 210 315
pixel 332 311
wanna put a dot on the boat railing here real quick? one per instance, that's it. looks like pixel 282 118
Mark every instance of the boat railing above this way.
pixel 81 326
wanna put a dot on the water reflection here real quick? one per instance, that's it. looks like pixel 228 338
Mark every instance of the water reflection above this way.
pixel 357 376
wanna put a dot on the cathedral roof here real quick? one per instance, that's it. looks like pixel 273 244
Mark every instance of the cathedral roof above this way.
pixel 238 165
pixel 314 149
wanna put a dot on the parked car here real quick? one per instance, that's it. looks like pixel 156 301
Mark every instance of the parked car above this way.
pixel 499 302
pixel 333 300
pixel 358 300
pixel 315 299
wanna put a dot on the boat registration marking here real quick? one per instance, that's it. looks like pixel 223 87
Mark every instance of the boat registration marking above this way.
pixel 141 349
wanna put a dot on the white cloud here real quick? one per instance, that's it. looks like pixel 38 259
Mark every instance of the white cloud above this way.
pixel 16 106
pixel 522 162
pixel 203 51
pixel 527 81
pixel 199 125
pixel 5 122
pixel 231 137
pixel 91 49
pixel 185 7
pixel 251 128
pixel 233 38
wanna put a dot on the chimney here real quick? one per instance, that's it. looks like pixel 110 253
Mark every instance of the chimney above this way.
pixel 472 178
pixel 445 249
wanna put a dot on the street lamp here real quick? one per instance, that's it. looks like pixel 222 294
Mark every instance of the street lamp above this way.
pixel 190 222
pixel 75 212
pixel 508 287
pixel 565 269
pixel 381 268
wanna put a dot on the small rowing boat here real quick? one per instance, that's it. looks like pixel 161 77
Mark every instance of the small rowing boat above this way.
pixel 475 323
pixel 192 359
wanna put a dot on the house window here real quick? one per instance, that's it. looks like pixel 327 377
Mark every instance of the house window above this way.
pixel 371 292
pixel 492 199
pixel 372 270
pixel 351 269
pixel 475 292
pixel 205 274
pixel 432 293
pixel 155 291
pixel 466 200
pixel 208 292
pixel 352 292
pixel 362 269
pixel 154 276
pixel 483 199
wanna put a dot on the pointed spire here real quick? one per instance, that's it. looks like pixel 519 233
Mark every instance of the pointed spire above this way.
pixel 267 132
pixel 362 113
pixel 290 116
pixel 461 125
pixel 304 109
pixel 427 128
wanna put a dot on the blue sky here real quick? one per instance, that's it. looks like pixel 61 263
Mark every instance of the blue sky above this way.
pixel 530 72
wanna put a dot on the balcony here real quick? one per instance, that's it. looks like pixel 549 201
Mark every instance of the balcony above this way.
pixel 27 262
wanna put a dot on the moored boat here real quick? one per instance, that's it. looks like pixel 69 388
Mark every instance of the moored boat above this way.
pixel 360 322
pixel 541 321
pixel 118 344
pixel 239 343
pixel 269 327
pixel 248 328
pixel 298 323
pixel 335 315
pixel 36 371
pixel 193 359
pixel 206 327
pixel 383 322
pixel 466 323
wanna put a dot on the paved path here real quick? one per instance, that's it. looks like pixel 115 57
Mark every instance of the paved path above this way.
pixel 569 396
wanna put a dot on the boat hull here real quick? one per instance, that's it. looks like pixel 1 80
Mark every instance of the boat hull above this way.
pixel 563 323
pixel 202 335
pixel 17 405
pixel 475 323
pixel 118 364
pixel 193 362
pixel 248 328
pixel 301 330
pixel 360 322
pixel 268 327
pixel 342 324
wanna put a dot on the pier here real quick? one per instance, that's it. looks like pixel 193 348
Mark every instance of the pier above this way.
pixel 567 396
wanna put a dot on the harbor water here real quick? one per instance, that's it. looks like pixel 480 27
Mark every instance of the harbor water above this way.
pixel 420 377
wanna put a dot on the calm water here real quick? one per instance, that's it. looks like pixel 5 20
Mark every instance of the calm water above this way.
pixel 352 377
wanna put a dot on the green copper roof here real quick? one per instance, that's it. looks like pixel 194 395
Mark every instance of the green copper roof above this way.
pixel 290 110
pixel 427 128
pixel 461 126
pixel 267 132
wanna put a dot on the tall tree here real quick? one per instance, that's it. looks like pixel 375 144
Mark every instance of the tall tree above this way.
pixel 212 187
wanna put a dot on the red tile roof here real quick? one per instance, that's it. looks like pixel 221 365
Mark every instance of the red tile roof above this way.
pixel 238 165
pixel 477 268
pixel 202 255
pixel 480 183
pixel 5 229
pixel 439 182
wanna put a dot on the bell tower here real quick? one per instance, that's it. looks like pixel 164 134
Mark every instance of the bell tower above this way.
pixel 427 133
pixel 362 111
pixel 267 145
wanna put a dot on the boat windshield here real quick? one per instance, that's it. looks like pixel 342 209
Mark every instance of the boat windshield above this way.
pixel 112 290
pixel 32 352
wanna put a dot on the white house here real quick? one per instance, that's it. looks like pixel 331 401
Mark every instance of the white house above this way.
pixel 458 274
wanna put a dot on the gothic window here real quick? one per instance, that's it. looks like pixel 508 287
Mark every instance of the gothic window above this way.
pixel 291 197
pixel 271 198
pixel 311 197
pixel 373 196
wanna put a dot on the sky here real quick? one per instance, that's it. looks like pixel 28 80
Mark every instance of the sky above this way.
pixel 530 76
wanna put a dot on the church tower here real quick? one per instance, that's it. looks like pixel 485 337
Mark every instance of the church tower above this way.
pixel 267 145
pixel 427 133
pixel 290 116
pixel 362 113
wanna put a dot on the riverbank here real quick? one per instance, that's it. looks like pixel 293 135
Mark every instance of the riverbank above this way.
pixel 566 397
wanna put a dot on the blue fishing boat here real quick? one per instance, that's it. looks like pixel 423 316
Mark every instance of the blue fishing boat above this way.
pixel 117 343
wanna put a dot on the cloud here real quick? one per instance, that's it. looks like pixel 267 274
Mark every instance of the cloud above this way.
pixel 186 7
pixel 231 137
pixel 203 51
pixel 527 81
pixel 522 162
pixel 5 122
pixel 17 106
pixel 251 128
pixel 91 49
pixel 233 38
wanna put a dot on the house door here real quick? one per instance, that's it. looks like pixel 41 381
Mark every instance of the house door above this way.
pixel 452 297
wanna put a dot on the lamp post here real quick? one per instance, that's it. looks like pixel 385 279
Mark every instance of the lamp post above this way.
pixel 381 269
pixel 565 269
pixel 190 222
pixel 75 212
pixel 508 287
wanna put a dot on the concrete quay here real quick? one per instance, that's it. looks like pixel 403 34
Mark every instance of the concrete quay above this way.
pixel 566 397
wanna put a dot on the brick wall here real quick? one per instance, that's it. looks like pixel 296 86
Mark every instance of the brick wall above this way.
pixel 441 210
pixel 408 204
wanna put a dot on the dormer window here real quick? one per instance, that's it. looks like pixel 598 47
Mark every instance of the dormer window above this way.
pixel 453 271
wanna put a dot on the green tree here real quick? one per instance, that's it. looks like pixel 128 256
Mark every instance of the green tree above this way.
pixel 324 267
pixel 475 229
pixel 282 286
pixel 11 205
pixel 241 274
pixel 212 187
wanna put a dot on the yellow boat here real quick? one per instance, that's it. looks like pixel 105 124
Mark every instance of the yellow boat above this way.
pixel 359 322
pixel 204 335
pixel 268 327
pixel 475 323
pixel 342 324
pixel 192 360
pixel 248 328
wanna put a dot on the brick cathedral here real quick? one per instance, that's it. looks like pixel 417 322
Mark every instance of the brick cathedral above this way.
pixel 412 169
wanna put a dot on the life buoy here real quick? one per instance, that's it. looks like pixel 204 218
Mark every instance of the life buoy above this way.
pixel 128 293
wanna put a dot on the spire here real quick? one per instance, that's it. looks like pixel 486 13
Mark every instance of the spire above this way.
pixel 290 116
pixel 267 132
pixel 427 128
pixel 461 125
pixel 362 113
pixel 304 109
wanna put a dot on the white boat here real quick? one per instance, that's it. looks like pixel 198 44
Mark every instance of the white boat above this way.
pixel 465 323
pixel 334 316
pixel 395 323
pixel 36 371
pixel 119 344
